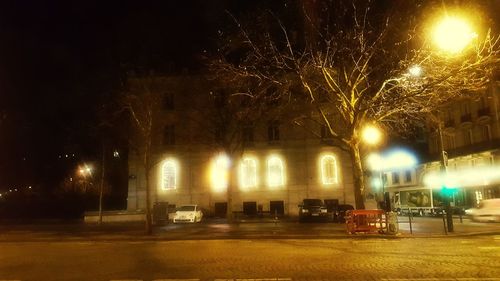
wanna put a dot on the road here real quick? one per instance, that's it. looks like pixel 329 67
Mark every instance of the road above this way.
pixel 396 259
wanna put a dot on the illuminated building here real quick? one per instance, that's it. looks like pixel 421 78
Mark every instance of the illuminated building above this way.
pixel 471 143
pixel 280 163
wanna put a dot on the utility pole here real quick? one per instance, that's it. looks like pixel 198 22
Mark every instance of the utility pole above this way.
pixel 444 172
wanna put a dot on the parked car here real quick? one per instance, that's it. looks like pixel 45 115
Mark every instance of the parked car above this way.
pixel 341 211
pixel 487 211
pixel 188 213
pixel 312 209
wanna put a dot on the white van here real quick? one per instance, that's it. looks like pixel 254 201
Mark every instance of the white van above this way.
pixel 487 211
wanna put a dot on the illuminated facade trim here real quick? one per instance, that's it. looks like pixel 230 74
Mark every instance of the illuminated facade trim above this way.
pixel 275 172
pixel 248 172
pixel 329 170
pixel 169 175
pixel 220 173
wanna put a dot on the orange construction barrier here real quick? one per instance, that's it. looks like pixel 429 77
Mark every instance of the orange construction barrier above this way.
pixel 366 221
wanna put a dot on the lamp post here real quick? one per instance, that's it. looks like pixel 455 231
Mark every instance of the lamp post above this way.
pixel 372 136
pixel 451 35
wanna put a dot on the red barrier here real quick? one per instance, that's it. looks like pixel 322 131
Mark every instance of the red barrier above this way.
pixel 366 221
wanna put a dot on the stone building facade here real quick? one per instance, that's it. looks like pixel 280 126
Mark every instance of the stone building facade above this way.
pixel 281 165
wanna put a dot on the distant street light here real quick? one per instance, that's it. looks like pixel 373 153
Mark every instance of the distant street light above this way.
pixel 415 71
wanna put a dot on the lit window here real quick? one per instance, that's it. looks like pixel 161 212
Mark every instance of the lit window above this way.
pixel 169 175
pixel 248 172
pixel 329 169
pixel 407 176
pixel 275 171
pixel 220 173
pixel 395 178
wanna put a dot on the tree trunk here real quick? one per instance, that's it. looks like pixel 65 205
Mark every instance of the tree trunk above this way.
pixel 147 165
pixel 101 187
pixel 357 173
pixel 231 175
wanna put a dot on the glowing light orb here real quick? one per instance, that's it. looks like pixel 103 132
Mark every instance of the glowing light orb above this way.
pixel 453 34
pixel 371 135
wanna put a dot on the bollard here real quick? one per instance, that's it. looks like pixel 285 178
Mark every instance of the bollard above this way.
pixel 392 223
pixel 444 223
pixel 409 220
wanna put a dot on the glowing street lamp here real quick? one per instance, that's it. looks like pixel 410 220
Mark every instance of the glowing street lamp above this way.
pixel 453 34
pixel 371 135
pixel 415 71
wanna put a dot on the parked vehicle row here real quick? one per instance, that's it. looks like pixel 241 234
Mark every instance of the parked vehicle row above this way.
pixel 318 210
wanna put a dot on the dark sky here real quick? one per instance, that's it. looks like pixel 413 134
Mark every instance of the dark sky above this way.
pixel 60 60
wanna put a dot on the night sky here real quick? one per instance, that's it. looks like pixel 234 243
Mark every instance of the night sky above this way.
pixel 59 61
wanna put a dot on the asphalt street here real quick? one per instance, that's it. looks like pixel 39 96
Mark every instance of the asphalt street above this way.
pixel 448 258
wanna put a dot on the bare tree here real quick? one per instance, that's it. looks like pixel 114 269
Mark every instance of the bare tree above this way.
pixel 352 59
pixel 142 100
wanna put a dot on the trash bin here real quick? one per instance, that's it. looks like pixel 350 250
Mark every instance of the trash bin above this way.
pixel 392 223
pixel 160 213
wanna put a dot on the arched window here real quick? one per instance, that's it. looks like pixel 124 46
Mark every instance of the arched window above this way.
pixel 329 169
pixel 169 175
pixel 248 172
pixel 275 176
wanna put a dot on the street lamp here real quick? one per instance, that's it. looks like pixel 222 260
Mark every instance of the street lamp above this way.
pixel 371 135
pixel 451 35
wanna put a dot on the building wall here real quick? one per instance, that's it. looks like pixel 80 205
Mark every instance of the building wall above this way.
pixel 194 154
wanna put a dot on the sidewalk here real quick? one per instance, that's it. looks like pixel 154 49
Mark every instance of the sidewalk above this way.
pixel 422 227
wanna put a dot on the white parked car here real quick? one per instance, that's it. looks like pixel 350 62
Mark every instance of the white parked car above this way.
pixel 488 210
pixel 188 213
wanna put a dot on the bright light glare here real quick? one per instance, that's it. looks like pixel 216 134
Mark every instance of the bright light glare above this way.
pixel 371 135
pixel 275 175
pixel 219 173
pixel 377 183
pixel 415 71
pixel 396 159
pixel 453 34
pixel 476 176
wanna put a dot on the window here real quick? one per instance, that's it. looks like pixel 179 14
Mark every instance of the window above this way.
pixel 169 135
pixel 273 131
pixel 275 172
pixel 467 137
pixel 395 178
pixel 168 101
pixel 169 175
pixel 407 176
pixel 486 133
pixel 329 169
pixel 465 108
pixel 248 173
pixel 248 134
pixel 449 142
pixel 325 133
pixel 220 173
